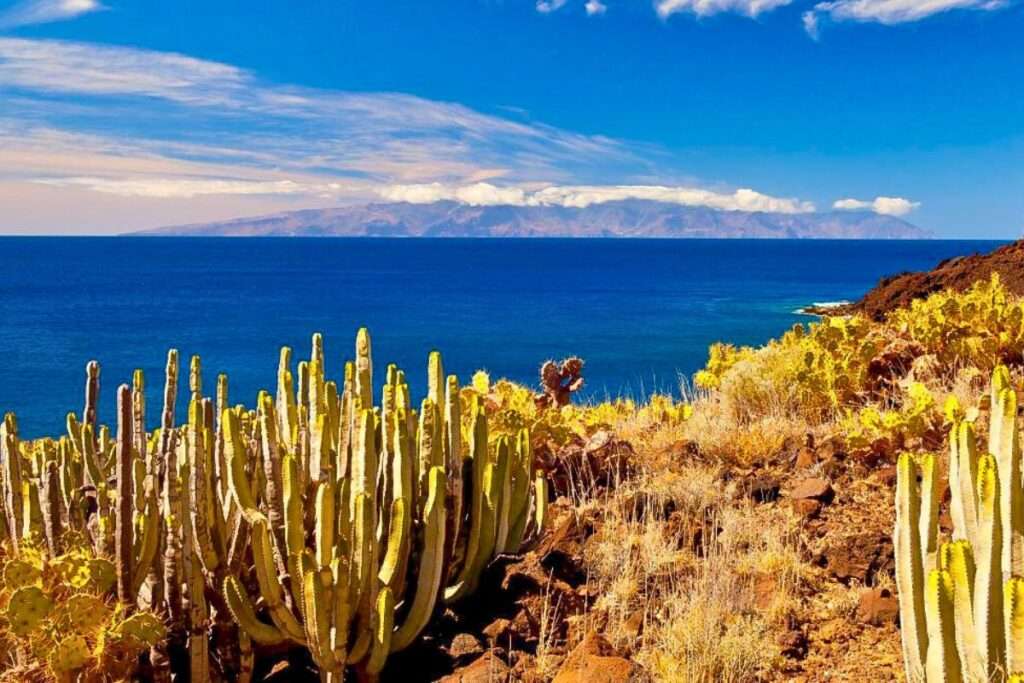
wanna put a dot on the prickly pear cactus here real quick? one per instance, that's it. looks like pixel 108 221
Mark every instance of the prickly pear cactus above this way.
pixel 26 609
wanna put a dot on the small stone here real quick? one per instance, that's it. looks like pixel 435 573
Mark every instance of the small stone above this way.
pixel 886 475
pixel 818 489
pixel 595 661
pixel 805 458
pixel 497 630
pixel 464 647
pixel 807 507
pixel 877 606
pixel 486 669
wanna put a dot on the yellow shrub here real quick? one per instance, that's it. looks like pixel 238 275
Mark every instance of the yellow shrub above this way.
pixel 982 326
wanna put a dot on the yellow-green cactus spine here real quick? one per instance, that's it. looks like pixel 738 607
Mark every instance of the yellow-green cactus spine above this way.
pixel 364 369
pixel 909 569
pixel 943 663
pixel 929 522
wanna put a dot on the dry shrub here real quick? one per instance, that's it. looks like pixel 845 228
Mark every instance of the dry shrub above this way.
pixel 677 551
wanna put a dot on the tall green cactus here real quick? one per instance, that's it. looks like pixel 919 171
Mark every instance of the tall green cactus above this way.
pixel 962 603
pixel 349 522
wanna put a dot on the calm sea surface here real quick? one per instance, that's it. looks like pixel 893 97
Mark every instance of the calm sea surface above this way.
pixel 640 312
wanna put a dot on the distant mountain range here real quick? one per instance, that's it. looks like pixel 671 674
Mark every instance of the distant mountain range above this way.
pixel 628 218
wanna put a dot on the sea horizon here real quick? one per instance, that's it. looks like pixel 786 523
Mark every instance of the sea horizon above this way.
pixel 641 312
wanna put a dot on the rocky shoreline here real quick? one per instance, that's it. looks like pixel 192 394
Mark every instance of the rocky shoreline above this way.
pixel 957 273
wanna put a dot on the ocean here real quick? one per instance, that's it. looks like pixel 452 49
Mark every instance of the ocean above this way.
pixel 641 313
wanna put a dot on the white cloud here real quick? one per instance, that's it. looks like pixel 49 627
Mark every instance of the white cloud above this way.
pixel 810 21
pixel 188 188
pixel 30 12
pixel 580 196
pixel 704 8
pixel 594 7
pixel 891 11
pixel 548 6
pixel 887 206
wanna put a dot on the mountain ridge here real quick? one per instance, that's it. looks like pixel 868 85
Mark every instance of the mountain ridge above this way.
pixel 624 218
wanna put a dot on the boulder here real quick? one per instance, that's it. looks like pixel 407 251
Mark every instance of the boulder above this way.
pixel 594 660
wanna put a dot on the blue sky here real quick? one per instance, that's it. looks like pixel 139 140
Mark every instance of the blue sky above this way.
pixel 122 115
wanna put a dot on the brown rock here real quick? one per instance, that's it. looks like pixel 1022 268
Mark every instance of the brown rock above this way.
pixel 497 631
pixel 806 457
pixel 807 507
pixel 817 489
pixel 486 669
pixel 595 661
pixel 877 606
pixel 859 556
pixel 464 647
pixel 886 475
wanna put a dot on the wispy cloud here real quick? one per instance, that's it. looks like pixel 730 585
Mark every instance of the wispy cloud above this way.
pixel 595 7
pixel 889 11
pixel 579 196
pixel 704 8
pixel 30 12
pixel 888 206
pixel 548 6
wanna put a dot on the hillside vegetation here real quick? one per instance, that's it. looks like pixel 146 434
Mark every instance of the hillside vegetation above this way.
pixel 489 533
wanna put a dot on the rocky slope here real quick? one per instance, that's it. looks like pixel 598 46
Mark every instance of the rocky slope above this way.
pixel 957 273
pixel 629 218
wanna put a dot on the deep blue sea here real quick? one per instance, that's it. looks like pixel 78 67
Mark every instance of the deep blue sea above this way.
pixel 640 312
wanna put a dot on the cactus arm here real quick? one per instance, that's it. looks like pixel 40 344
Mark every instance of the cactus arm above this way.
pixel 123 512
pixel 967 475
pixel 943 664
pixel 929 521
pixel 324 532
pixel 391 572
pixel 235 453
pixel 92 394
pixel 503 504
pixel 988 603
pixel 318 621
pixel 199 486
pixel 364 370
pixel 270 589
pixel 52 508
pixel 1005 445
pixel 1013 605
pixel 909 572
pixel 173 513
pixel 294 531
pixel 274 496
pixel 522 475
pixel 383 627
pixel 477 562
pixel 12 479
pixel 961 569
pixel 453 462
pixel 431 569
pixel 245 614
pixel 149 544
pixel 478 464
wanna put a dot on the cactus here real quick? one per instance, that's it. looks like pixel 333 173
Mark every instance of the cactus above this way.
pixel 965 621
pixel 315 520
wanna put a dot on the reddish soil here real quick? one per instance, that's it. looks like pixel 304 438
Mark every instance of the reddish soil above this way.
pixel 959 273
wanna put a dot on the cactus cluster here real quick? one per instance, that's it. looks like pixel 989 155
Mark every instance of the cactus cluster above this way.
pixel 962 601
pixel 316 519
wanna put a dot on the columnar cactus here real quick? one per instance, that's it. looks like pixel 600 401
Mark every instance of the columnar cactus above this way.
pixel 316 520
pixel 962 602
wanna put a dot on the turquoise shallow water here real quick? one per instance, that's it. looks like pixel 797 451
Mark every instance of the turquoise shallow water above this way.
pixel 640 312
